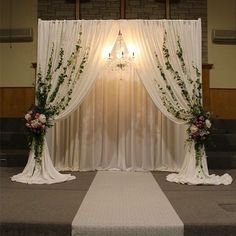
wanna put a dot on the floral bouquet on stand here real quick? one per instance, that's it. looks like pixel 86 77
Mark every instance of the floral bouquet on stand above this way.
pixel 37 124
pixel 187 82
pixel 53 94
pixel 199 130
pixel 181 94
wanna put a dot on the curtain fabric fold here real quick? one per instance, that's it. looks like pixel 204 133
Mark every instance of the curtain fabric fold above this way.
pixel 118 127
pixel 147 36
pixel 54 35
pixel 97 35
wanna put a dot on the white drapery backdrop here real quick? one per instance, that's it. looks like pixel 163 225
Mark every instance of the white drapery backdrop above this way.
pixel 118 127
pixel 146 37
pixel 65 34
pixel 96 35
pixel 145 62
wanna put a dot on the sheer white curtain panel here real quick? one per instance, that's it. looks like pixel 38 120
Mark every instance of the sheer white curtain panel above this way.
pixel 118 127
pixel 147 37
pixel 97 35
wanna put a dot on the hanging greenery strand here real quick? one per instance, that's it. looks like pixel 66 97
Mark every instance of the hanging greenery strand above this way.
pixel 190 88
pixel 52 100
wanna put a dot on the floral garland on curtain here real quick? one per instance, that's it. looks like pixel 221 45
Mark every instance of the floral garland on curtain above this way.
pixel 50 99
pixel 195 116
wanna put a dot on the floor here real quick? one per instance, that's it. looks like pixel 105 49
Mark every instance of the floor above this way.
pixel 49 209
pixel 204 210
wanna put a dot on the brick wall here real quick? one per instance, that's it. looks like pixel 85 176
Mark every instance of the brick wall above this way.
pixel 193 9
pixel 56 9
pixel 135 9
pixel 100 9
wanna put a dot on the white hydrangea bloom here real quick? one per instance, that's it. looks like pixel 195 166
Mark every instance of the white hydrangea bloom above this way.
pixel 27 116
pixel 42 118
pixel 208 123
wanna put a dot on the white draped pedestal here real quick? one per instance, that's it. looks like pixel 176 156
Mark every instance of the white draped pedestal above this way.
pixel 45 173
pixel 195 175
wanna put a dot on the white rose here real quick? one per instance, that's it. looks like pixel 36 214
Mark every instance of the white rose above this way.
pixel 208 124
pixel 42 118
pixel 34 123
pixel 27 116
pixel 193 129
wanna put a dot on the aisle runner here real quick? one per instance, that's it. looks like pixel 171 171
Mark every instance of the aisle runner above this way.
pixel 126 204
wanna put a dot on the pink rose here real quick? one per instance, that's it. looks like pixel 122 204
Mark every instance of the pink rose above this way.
pixel 193 129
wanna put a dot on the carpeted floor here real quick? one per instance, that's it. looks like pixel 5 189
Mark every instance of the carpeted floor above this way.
pixel 49 209
pixel 205 210
pixel 32 210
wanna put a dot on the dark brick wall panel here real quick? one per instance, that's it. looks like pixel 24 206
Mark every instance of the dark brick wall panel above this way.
pixel 56 9
pixel 100 9
pixel 145 9
pixel 193 9
pixel 135 9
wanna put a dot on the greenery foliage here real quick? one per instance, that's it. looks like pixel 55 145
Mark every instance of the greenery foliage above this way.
pixel 54 92
pixel 187 82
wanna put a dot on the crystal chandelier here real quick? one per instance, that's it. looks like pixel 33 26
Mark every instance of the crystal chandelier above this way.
pixel 119 58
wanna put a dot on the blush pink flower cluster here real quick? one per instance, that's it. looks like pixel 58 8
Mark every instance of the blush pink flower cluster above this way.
pixel 35 122
pixel 200 128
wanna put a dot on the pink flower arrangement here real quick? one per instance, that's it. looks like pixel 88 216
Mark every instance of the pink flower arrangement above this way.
pixel 35 122
pixel 199 129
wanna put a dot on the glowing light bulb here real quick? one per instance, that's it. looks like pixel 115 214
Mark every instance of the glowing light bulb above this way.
pixel 106 53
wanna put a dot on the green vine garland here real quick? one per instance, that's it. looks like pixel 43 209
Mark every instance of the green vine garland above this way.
pixel 196 117
pixel 51 101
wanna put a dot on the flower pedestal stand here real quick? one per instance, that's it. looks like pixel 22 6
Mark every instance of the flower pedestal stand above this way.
pixel 193 174
pixel 44 173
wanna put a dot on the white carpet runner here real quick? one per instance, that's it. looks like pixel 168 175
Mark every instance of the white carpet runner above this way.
pixel 126 204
